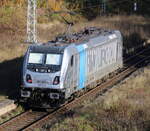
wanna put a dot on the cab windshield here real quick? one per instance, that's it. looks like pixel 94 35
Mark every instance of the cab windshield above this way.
pixel 48 59
pixel 53 59
pixel 36 58
pixel 44 62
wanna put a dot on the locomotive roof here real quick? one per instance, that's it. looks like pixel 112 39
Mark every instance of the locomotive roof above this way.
pixel 63 41
pixel 46 48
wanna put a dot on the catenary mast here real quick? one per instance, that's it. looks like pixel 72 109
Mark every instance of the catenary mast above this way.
pixel 32 21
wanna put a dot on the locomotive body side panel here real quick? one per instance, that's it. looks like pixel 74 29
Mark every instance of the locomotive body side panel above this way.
pixel 69 71
pixel 120 48
pixel 81 66
pixel 100 61
pixel 102 55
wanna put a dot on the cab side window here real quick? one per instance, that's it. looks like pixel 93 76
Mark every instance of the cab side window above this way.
pixel 72 59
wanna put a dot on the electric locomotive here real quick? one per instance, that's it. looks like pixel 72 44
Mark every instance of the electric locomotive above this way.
pixel 54 71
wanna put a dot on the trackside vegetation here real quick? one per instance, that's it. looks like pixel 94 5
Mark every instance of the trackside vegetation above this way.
pixel 122 108
pixel 125 107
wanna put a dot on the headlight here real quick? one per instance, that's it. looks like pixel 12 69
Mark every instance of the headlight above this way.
pixel 54 95
pixel 25 93
pixel 28 78
pixel 56 80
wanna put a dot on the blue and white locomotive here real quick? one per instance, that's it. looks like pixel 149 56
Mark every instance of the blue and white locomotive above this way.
pixel 54 71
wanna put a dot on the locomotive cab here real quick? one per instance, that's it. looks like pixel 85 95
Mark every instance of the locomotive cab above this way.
pixel 41 85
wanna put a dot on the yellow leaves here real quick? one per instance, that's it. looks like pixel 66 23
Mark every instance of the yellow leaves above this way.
pixel 55 5
pixel 20 2
pixel 11 2
pixel 3 2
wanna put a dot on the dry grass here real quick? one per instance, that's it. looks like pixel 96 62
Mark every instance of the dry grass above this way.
pixel 132 96
pixel 124 107
pixel 11 114
pixel 135 29
pixel 12 33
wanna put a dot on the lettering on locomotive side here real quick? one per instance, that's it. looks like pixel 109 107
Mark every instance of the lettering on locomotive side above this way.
pixel 100 57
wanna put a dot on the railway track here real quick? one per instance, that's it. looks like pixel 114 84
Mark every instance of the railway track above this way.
pixel 21 121
pixel 31 120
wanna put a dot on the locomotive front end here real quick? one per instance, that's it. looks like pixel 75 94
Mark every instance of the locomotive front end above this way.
pixel 41 77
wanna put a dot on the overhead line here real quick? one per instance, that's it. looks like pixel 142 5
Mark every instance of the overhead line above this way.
pixel 90 7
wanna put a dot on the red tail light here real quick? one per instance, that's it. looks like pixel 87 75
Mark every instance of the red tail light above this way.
pixel 56 80
pixel 28 78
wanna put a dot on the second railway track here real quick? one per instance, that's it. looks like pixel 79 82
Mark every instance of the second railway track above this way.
pixel 22 121
pixel 31 120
